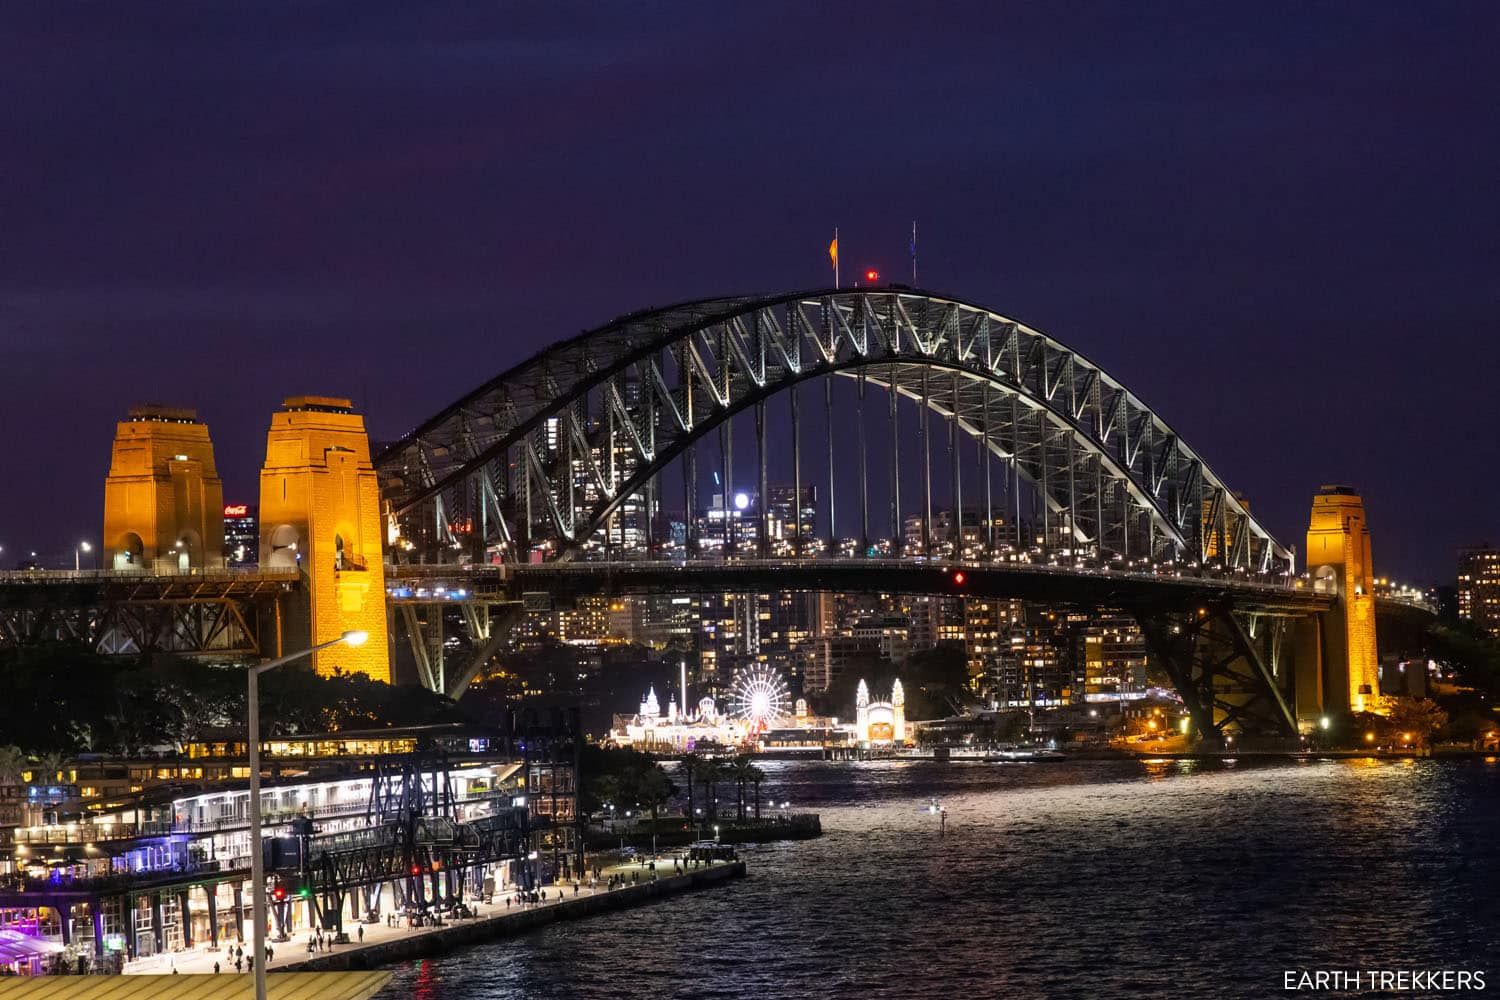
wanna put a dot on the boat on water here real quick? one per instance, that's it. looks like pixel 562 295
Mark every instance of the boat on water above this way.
pixel 984 755
pixel 1024 755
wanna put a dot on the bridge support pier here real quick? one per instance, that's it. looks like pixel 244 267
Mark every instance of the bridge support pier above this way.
pixel 1307 653
pixel 1225 676
pixel 486 626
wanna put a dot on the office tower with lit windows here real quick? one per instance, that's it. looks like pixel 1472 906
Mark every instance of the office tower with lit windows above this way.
pixel 241 534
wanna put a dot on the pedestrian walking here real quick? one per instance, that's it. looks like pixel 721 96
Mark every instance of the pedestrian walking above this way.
pixel 361 933
pixel 216 968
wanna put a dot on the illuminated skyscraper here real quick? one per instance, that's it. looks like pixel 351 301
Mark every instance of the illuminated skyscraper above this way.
pixel 241 534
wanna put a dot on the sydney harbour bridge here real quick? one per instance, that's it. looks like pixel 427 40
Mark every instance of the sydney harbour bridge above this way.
pixel 951 450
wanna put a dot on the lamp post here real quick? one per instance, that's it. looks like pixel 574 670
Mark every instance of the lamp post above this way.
pixel 80 547
pixel 252 738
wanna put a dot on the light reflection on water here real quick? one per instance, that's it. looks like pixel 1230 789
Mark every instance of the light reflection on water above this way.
pixel 1062 880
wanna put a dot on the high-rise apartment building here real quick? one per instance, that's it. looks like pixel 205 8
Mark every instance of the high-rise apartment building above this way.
pixel 1479 588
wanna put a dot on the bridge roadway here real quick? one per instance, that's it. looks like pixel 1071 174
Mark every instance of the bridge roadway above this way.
pixel 71 588
pixel 1053 584
pixel 210 612
pixel 1200 625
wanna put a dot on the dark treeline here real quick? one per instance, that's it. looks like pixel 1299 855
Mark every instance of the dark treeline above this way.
pixel 67 699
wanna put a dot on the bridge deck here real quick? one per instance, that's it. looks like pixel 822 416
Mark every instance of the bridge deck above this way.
pixel 66 588
pixel 1062 585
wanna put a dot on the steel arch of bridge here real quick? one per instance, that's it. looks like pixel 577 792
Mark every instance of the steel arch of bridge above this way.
pixel 541 445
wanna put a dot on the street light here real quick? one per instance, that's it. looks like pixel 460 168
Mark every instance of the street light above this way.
pixel 81 547
pixel 252 737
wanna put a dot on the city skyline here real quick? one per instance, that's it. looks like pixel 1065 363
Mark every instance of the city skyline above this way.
pixel 483 480
pixel 1282 239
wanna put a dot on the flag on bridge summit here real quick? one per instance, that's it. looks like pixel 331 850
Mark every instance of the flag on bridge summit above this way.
pixel 833 249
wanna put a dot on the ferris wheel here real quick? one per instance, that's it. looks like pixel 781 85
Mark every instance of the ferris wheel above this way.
pixel 759 696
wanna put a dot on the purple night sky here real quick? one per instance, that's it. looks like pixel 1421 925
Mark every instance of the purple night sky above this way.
pixel 1276 223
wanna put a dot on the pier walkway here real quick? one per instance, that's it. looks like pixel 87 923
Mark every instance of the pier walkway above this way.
pixel 382 944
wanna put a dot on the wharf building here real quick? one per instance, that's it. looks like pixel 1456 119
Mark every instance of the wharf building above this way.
pixel 356 825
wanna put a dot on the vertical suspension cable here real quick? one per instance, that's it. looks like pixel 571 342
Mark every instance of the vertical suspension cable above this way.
pixel 864 484
pixel 796 474
pixel 833 544
pixel 926 467
pixel 897 533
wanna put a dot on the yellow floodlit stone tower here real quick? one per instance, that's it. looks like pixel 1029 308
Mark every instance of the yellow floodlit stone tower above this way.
pixel 163 500
pixel 320 512
pixel 1338 560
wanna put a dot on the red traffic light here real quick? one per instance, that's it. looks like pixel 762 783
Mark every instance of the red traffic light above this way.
pixel 872 275
pixel 279 894
pixel 416 869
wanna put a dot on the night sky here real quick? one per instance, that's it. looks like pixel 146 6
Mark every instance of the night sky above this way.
pixel 1276 223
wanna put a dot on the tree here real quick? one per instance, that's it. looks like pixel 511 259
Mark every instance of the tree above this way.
pixel 653 791
pixel 1416 719
pixel 746 773
pixel 627 778
pixel 606 790
pixel 12 764
pixel 1463 648
pixel 125 705
pixel 49 767
pixel 739 769
pixel 713 772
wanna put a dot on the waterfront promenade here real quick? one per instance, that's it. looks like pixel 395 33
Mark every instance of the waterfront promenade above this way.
pixel 382 944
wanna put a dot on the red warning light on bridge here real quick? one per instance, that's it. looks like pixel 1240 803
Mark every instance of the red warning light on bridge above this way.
pixel 872 276
pixel 959 578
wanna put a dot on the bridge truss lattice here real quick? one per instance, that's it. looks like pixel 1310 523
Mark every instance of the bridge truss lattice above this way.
pixel 548 457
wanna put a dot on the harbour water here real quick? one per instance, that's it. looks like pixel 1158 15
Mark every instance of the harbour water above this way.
pixel 1084 879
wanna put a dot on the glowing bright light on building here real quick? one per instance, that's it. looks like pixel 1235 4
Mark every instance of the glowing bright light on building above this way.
pixel 741 501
